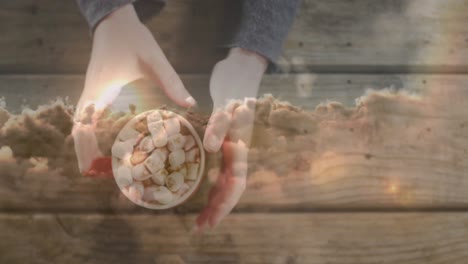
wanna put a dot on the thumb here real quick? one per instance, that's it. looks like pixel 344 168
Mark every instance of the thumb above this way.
pixel 159 70
pixel 96 96
pixel 86 146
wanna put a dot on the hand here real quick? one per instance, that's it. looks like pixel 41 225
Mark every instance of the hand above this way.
pixel 233 86
pixel 124 50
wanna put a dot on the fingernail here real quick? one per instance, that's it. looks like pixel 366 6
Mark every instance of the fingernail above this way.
pixel 213 142
pixel 191 101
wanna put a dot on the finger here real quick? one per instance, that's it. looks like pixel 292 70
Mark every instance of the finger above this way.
pixel 233 184
pixel 242 124
pixel 86 146
pixel 230 185
pixel 226 199
pixel 213 175
pixel 83 133
pixel 101 89
pixel 201 222
pixel 243 115
pixel 216 130
pixel 218 180
pixel 235 157
pixel 222 201
pixel 99 93
pixel 160 71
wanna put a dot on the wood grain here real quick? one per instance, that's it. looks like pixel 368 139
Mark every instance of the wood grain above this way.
pixel 303 90
pixel 385 36
pixel 328 36
pixel 423 167
pixel 364 238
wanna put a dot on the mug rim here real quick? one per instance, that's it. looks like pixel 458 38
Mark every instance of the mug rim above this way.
pixel 200 176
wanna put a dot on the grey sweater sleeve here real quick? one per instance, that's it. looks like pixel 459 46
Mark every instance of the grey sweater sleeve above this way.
pixel 95 10
pixel 264 25
pixel 262 28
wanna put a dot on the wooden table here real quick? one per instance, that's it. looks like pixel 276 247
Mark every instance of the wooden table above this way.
pixel 401 204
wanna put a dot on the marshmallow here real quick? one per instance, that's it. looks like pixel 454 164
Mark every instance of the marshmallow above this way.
pixel 159 177
pixel 183 170
pixel 154 162
pixel 159 194
pixel 138 157
pixel 167 114
pixel 183 189
pixel 123 176
pixel 175 142
pixel 146 144
pixel 142 127
pixel 127 160
pixel 128 133
pixel 172 126
pixel 162 153
pixel 192 171
pixel 154 116
pixel 148 194
pixel 155 127
pixel 136 191
pixel 189 142
pixel 160 140
pixel 176 158
pixel 121 149
pixel 140 172
pixel 174 181
pixel 191 155
pixel 158 133
pixel 147 182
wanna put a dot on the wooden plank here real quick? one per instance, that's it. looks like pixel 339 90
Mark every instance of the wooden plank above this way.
pixel 405 154
pixel 243 238
pixel 303 90
pixel 384 36
pixel 328 36
pixel 53 37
